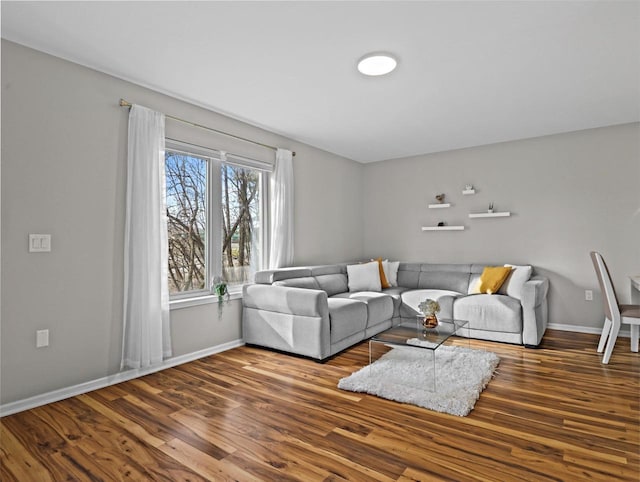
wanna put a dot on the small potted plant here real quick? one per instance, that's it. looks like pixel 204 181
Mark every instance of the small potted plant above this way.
pixel 429 308
pixel 220 289
pixel 490 210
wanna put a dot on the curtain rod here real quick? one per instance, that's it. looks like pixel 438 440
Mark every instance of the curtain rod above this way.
pixel 124 103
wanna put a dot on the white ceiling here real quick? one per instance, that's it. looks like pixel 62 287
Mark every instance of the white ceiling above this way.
pixel 469 73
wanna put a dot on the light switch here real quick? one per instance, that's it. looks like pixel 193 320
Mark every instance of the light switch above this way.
pixel 39 243
pixel 42 338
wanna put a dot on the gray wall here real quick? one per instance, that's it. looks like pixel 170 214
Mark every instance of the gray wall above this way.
pixel 568 194
pixel 63 172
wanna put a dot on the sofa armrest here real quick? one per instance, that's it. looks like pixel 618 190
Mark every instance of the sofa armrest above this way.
pixel 534 310
pixel 284 299
pixel 535 291
pixel 291 319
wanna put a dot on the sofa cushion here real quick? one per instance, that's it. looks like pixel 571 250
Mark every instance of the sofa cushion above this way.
pixel 490 312
pixel 285 300
pixel 273 275
pixel 328 269
pixel 333 283
pixel 412 298
pixel 308 282
pixel 514 283
pixel 379 305
pixel 395 294
pixel 474 284
pixel 384 283
pixel 391 272
pixel 491 280
pixel 451 277
pixel 364 277
pixel 408 275
pixel 347 317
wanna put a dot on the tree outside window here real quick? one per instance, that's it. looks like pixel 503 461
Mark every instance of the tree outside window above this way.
pixel 188 201
pixel 240 213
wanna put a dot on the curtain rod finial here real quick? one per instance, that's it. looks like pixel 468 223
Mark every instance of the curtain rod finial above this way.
pixel 124 103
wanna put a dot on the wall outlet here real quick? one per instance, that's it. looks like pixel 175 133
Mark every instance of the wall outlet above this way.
pixel 588 295
pixel 42 338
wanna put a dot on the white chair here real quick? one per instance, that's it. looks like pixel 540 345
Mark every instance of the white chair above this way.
pixel 615 314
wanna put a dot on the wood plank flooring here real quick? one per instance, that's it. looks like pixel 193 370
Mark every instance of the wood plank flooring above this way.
pixel 248 414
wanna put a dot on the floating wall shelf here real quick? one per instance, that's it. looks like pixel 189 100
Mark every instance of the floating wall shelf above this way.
pixel 489 215
pixel 467 192
pixel 442 228
pixel 439 205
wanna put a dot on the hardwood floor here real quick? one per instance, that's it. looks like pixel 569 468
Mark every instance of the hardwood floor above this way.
pixel 247 414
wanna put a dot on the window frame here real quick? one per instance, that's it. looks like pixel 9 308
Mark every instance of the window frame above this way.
pixel 206 295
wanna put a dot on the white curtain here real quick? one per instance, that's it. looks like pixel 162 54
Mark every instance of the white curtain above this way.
pixel 146 338
pixel 281 244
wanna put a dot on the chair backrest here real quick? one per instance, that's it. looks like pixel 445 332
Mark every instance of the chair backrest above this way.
pixel 611 308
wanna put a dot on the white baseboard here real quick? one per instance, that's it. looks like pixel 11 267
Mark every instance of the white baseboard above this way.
pixel 72 391
pixel 584 329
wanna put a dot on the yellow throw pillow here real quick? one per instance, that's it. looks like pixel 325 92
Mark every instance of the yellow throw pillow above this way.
pixel 492 278
pixel 383 279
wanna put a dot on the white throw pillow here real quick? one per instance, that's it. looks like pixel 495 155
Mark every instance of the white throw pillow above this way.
pixel 364 277
pixel 391 271
pixel 514 283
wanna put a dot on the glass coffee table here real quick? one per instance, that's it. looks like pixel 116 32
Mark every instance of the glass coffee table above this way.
pixel 411 334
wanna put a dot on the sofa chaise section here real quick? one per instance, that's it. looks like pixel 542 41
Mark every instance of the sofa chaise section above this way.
pixel 519 318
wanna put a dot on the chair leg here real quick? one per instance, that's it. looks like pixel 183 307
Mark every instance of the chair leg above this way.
pixel 613 336
pixel 605 333
pixel 635 334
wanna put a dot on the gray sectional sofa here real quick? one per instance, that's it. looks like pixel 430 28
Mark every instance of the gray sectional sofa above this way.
pixel 310 311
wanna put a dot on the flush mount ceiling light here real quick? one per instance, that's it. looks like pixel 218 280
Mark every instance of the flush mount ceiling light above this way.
pixel 377 63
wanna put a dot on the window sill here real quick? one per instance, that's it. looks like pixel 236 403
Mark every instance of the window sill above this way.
pixel 200 300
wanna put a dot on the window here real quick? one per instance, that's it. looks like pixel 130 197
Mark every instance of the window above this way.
pixel 215 218
pixel 241 227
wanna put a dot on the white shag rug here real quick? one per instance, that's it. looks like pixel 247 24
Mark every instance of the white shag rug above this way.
pixel 405 375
